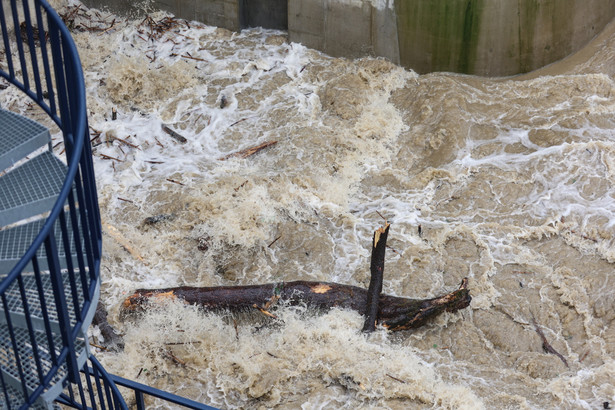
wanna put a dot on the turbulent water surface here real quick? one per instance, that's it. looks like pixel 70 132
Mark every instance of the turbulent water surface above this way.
pixel 511 182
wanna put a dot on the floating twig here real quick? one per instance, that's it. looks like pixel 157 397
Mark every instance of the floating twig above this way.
pixel 175 182
pixel 125 200
pixel 98 346
pixel 237 122
pixel 250 151
pixel 264 311
pixel 236 330
pixel 183 343
pixel 274 241
pixel 152 220
pixel 393 249
pixel 127 143
pixel 396 379
pixel 105 156
pixel 174 134
pixel 240 186
pixel 187 55
pixel 174 358
pixel 546 346
pixel 380 215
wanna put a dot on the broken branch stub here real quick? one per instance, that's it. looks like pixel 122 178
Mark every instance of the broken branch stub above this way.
pixel 379 244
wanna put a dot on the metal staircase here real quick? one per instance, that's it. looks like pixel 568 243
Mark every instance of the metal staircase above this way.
pixel 50 233
pixel 30 330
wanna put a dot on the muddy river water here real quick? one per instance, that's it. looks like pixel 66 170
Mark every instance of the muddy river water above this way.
pixel 509 182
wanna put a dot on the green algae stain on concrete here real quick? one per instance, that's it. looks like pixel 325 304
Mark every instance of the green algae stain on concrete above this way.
pixel 439 35
pixel 546 30
pixel 470 37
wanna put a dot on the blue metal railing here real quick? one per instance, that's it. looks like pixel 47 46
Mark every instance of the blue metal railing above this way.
pixel 38 56
pixel 139 391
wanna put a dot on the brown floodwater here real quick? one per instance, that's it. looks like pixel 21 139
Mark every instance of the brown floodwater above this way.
pixel 511 182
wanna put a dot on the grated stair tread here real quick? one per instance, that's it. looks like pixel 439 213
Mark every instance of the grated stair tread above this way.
pixel 33 289
pixel 16 399
pixel 31 189
pixel 19 136
pixel 47 349
pixel 15 241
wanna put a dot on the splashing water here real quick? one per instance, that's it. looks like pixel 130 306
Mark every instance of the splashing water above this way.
pixel 509 180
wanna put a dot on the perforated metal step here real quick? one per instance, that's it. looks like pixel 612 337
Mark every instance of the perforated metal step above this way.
pixel 14 243
pixel 31 188
pixel 16 399
pixel 73 285
pixel 22 369
pixel 19 136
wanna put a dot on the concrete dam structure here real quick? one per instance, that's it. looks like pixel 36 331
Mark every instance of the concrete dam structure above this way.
pixel 482 37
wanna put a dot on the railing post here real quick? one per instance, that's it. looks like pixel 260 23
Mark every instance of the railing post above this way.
pixel 62 310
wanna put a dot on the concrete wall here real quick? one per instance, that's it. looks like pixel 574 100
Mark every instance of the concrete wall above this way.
pixel 349 28
pixel 490 37
pixel 485 37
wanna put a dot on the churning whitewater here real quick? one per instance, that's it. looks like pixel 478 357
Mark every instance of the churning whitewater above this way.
pixel 509 182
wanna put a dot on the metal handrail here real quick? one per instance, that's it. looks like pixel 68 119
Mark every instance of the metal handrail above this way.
pixel 140 391
pixel 42 61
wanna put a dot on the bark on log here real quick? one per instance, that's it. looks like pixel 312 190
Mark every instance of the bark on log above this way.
pixel 394 313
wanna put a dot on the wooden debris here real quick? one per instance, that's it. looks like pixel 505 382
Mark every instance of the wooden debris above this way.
pixel 190 56
pixel 179 138
pixel 240 186
pixel 112 340
pixel 113 232
pixel 379 242
pixel 546 346
pixel 396 379
pixel 175 182
pixel 274 241
pixel 104 156
pixel 250 151
pixel 394 313
pixel 153 220
pixel 237 122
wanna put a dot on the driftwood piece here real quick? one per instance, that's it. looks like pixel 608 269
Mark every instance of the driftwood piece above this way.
pixel 394 313
pixel 546 346
pixel 379 245
pixel 391 312
pixel 175 135
pixel 112 340
pixel 249 151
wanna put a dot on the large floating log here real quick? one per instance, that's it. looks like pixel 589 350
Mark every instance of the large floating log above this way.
pixel 394 313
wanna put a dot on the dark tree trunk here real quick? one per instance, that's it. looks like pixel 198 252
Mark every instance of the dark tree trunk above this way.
pixel 394 313
pixel 391 312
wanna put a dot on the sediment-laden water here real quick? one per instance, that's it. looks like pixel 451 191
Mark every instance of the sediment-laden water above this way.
pixel 511 182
